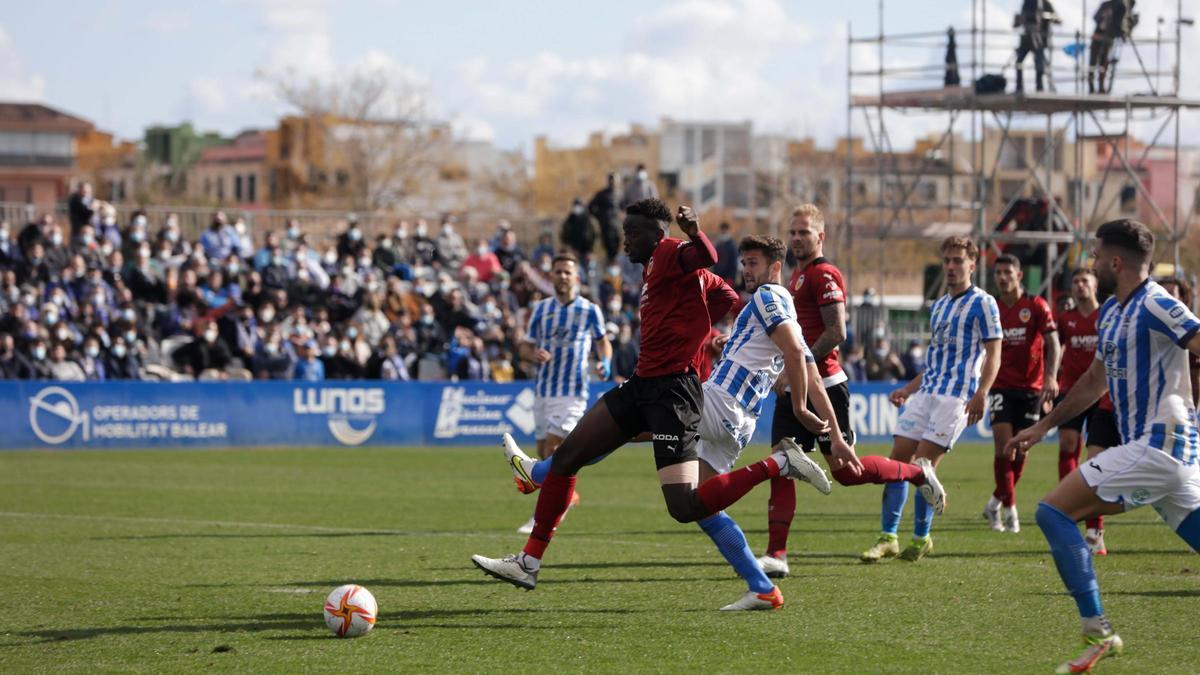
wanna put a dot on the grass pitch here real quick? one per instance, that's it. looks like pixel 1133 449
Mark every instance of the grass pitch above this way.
pixel 196 560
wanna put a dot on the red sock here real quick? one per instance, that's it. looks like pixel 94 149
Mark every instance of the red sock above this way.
pixel 1096 523
pixel 1067 463
pixel 880 470
pixel 552 503
pixel 1003 470
pixel 780 510
pixel 724 489
pixel 1018 467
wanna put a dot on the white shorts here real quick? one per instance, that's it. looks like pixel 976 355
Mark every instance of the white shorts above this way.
pixel 1135 474
pixel 934 418
pixel 725 428
pixel 557 415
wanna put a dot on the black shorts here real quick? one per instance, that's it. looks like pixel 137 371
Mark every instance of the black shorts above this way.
pixel 667 406
pixel 1022 409
pixel 1102 429
pixel 1076 422
pixel 785 425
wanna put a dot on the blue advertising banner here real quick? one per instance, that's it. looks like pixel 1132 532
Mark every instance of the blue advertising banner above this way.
pixel 221 414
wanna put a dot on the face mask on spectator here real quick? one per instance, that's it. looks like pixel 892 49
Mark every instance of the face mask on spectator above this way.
pixel 355 234
pixel 421 230
pixel 87 240
pixel 345 345
pixel 92 351
pixel 138 236
pixel 118 351
pixel 547 266
pixel 58 299
pixel 56 239
pixel 643 175
pixel 352 332
pixel 39 353
pixel 277 261
pixel 385 243
pixel 172 236
pixel 577 209
pixel 267 315
pixel 27 300
pixel 330 257
pixel 14 294
pixel 427 319
pixel 240 227
pixel 481 250
pixel 293 233
pixel 3 234
pixel 51 318
pixel 106 249
pixel 164 255
pixel 329 350
pixel 62 334
pixel 128 314
pixel 131 336
pixel 210 335
pixel 98 298
pixel 140 221
pixel 144 253
pixel 271 348
pixel 233 269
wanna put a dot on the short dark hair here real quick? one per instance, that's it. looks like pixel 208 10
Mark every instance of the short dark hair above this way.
pixel 564 256
pixel 963 242
pixel 1007 259
pixel 1129 235
pixel 1185 289
pixel 772 247
pixel 651 208
pixel 1083 270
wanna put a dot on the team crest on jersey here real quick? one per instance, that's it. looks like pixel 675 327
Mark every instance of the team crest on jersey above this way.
pixel 799 282
pixel 650 266
pixel 1025 315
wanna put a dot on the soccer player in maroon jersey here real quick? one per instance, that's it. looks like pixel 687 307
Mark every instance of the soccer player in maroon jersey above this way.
pixel 1077 334
pixel 663 396
pixel 819 295
pixel 1027 381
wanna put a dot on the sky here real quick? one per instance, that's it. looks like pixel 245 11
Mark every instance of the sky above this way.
pixel 503 71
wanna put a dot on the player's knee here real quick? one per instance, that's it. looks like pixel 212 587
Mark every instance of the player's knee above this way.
pixel 686 510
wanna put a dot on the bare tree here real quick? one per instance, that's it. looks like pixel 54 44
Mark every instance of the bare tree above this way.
pixel 370 137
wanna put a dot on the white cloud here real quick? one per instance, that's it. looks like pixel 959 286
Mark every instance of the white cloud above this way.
pixel 297 38
pixel 16 82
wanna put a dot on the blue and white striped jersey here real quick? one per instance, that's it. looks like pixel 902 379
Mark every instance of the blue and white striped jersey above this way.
pixel 566 331
pixel 960 325
pixel 1146 365
pixel 751 362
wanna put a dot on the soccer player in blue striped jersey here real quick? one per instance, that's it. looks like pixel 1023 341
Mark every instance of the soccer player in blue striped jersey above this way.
pixel 1145 335
pixel 560 336
pixel 960 366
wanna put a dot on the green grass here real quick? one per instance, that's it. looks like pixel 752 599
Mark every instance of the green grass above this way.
pixel 191 560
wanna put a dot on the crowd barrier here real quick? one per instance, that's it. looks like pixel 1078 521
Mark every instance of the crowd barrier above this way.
pixel 219 414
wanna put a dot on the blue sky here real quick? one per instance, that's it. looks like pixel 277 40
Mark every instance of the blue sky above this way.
pixel 500 70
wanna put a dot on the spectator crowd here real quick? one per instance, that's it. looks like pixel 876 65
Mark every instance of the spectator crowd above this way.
pixel 98 299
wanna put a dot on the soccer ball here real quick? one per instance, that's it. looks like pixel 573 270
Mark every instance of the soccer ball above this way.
pixel 350 611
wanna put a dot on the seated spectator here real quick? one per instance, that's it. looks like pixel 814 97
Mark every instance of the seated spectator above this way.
pixel 92 363
pixel 219 240
pixel 13 366
pixel 63 369
pixel 483 261
pixel 509 252
pixel 123 363
pixel 393 367
pixel 272 361
pixel 205 357
pixel 883 363
pixel 309 367
pixel 854 365
pixel 913 359
pixel 39 359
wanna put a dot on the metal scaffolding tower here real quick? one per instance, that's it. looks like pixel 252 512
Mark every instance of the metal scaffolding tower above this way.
pixel 1065 113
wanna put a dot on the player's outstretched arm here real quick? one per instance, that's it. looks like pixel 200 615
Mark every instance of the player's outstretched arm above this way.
pixel 701 253
pixel 1086 391
pixel 841 454
pixel 788 338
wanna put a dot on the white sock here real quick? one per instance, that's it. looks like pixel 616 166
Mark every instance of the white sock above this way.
pixel 993 503
pixel 1097 626
pixel 530 563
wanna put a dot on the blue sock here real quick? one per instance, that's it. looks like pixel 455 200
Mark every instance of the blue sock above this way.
pixel 1189 530
pixel 922 516
pixel 894 496
pixel 542 468
pixel 731 542
pixel 1073 559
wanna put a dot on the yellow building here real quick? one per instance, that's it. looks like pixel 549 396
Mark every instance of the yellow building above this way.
pixel 562 174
